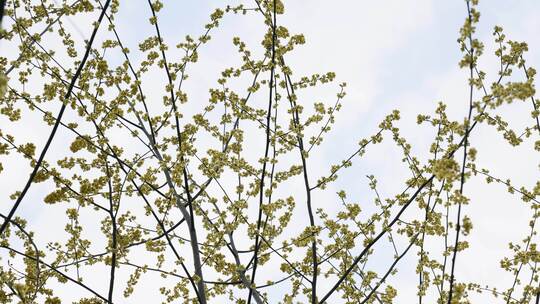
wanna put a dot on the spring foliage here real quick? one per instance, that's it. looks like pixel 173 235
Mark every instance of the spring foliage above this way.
pixel 176 196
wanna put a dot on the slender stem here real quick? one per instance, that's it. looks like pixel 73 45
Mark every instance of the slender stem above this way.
pixel 266 152
pixel 114 232
pixel 464 161
pixel 296 121
pixel 57 122
pixel 189 217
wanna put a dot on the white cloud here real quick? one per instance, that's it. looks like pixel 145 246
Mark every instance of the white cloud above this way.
pixel 392 54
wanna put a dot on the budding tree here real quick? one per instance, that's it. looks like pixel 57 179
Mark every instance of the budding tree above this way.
pixel 218 199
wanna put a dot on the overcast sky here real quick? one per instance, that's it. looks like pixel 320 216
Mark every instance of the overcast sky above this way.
pixel 393 55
